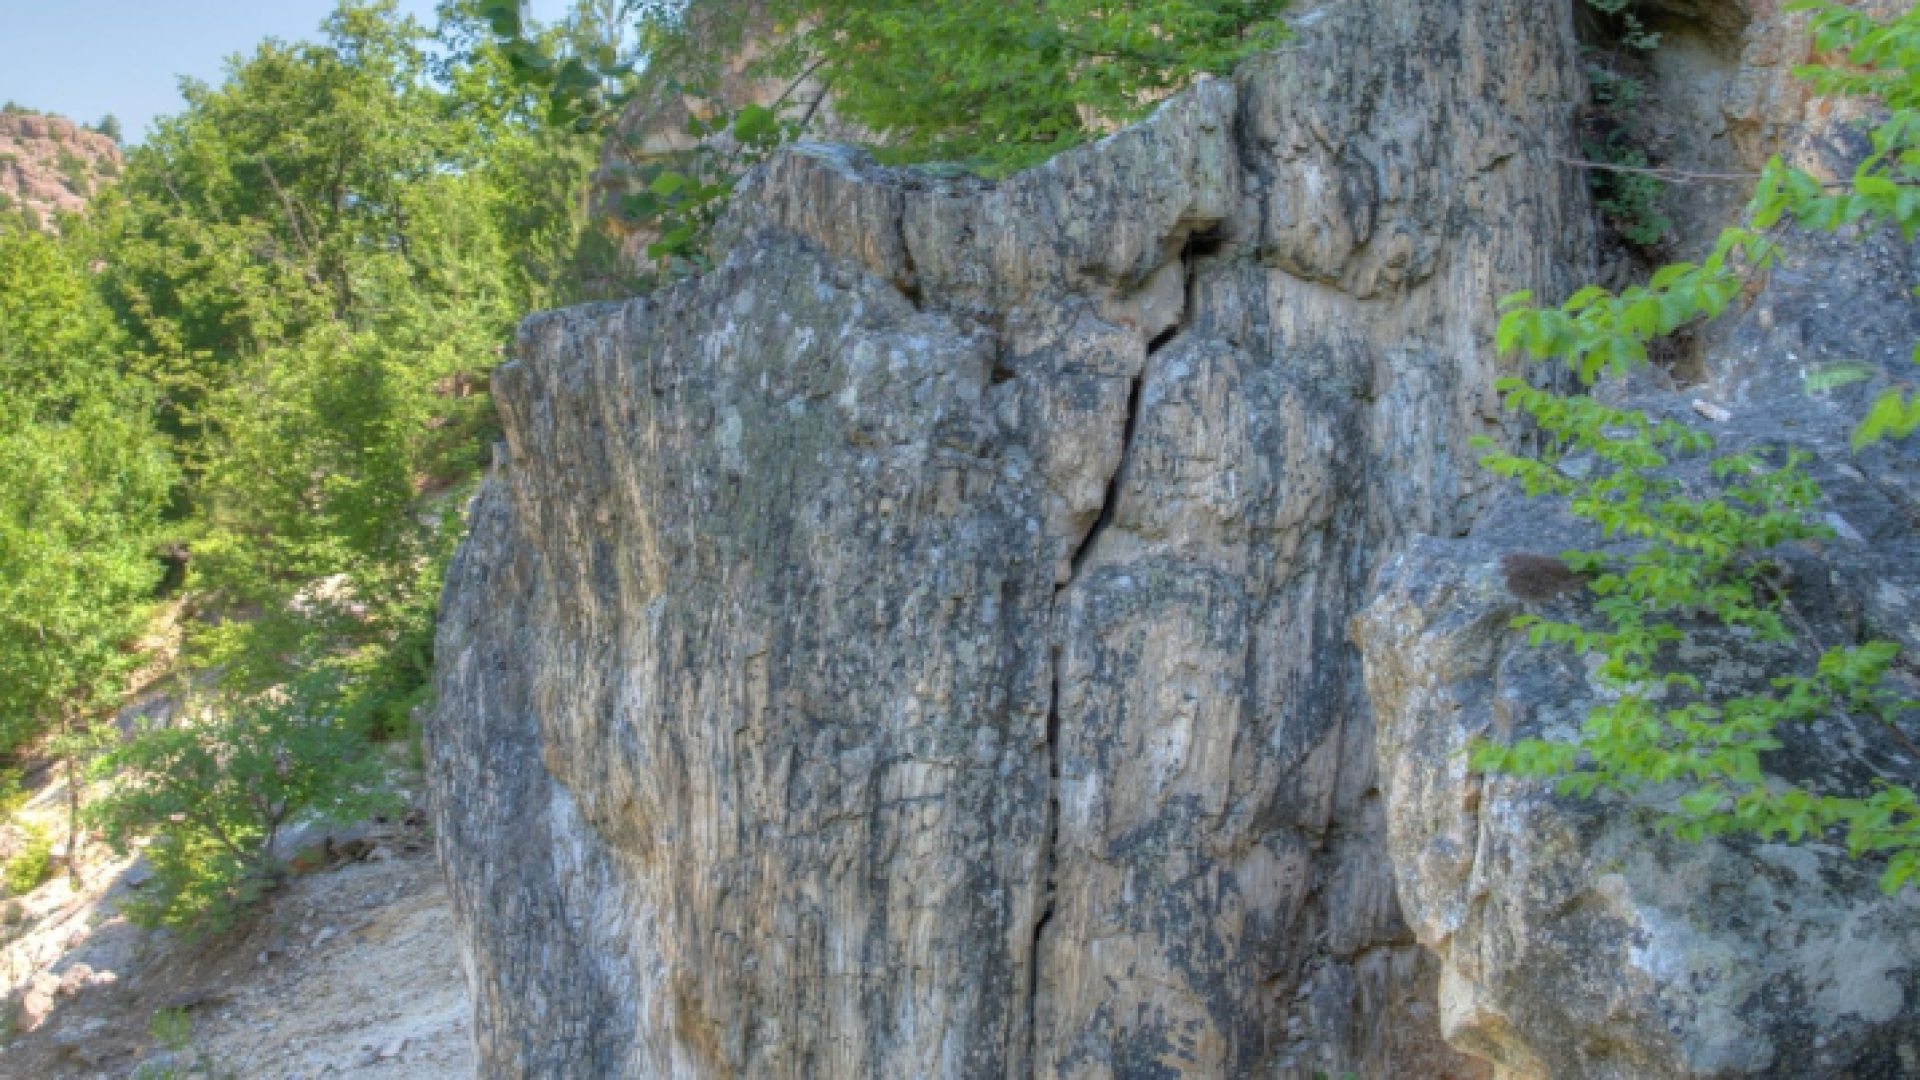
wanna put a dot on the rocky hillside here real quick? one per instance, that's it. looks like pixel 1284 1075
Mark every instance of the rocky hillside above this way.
pixel 920 647
pixel 49 164
pixel 348 972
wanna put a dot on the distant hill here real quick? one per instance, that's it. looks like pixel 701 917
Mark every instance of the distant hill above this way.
pixel 50 164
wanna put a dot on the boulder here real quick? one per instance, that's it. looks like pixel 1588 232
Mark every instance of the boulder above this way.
pixel 1579 939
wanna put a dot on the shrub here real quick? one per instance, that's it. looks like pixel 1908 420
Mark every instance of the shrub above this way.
pixel 215 795
pixel 74 171
pixel 13 792
pixel 1010 85
pixel 173 1030
pixel 31 866
pixel 1630 200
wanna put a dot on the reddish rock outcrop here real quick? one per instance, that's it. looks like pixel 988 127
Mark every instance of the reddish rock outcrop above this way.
pixel 50 165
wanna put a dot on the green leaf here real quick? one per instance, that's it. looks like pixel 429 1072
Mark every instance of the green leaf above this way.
pixel 1666 276
pixel 668 184
pixel 1585 298
pixel 1837 373
pixel 503 16
pixel 1875 186
pixel 1702 802
pixel 754 123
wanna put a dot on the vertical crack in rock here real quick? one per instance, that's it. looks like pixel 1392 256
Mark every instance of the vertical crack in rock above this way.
pixel 1109 502
pixel 1112 497
pixel 1050 836
pixel 909 283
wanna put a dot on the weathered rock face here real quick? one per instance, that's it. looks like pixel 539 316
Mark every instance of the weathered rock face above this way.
pixel 918 648
pixel 1579 941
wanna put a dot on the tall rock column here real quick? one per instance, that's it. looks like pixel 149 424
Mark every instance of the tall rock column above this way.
pixel 916 648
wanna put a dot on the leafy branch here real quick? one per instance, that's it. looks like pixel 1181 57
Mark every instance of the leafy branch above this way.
pixel 1693 562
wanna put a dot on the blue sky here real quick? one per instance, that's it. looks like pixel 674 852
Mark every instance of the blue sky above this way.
pixel 87 58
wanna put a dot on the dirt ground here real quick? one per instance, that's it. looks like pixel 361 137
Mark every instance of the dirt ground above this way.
pixel 350 971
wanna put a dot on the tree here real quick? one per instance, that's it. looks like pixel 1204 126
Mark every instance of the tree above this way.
pixel 217 793
pixel 297 290
pixel 991 85
pixel 1010 85
pixel 83 483
pixel 319 256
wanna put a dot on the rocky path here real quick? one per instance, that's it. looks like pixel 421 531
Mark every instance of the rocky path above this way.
pixel 351 972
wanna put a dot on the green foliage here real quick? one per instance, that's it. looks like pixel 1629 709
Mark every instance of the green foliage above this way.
pixel 1598 332
pixel 109 126
pixel 32 864
pixel 1882 61
pixel 683 198
pixel 83 483
pixel 58 342
pixel 1009 85
pixel 1699 562
pixel 1614 130
pixel 296 290
pixel 320 258
pixel 1617 93
pixel 13 792
pixel 173 1030
pixel 992 85
pixel 1631 200
pixel 294 294
pixel 387 680
pixel 1631 32
pixel 215 795
pixel 76 174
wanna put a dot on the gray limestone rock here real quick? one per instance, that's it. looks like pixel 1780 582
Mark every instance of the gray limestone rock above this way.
pixel 917 648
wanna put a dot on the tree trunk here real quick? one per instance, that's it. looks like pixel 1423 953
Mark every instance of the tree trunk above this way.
pixel 74 836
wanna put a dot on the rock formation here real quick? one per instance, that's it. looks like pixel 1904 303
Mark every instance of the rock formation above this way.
pixel 50 165
pixel 1579 940
pixel 918 648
